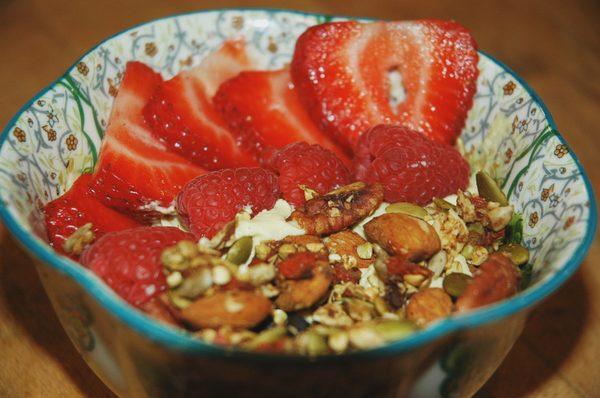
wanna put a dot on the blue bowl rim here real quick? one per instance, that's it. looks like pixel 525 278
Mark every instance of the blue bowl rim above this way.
pixel 180 340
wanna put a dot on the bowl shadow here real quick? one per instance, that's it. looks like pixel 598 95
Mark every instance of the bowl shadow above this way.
pixel 27 303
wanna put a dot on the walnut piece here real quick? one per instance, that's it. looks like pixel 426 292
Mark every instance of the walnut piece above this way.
pixel 338 209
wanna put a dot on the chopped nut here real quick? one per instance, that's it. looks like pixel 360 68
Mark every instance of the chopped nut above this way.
pixel 268 336
pixel 451 229
pixel 308 193
pixel 428 305
pixel 314 247
pixel 465 208
pixel 500 217
pixel 260 274
pixel 332 314
pixel 364 337
pixel 262 251
pixel 238 309
pixel 311 343
pixel 279 317
pixel 82 237
pixel 174 279
pixel 286 249
pixel 359 310
pixel 331 212
pixel 338 341
pixel 365 251
pixel 194 284
pixel 221 275
pixel 404 235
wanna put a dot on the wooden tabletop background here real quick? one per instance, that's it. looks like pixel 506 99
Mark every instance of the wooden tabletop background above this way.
pixel 553 44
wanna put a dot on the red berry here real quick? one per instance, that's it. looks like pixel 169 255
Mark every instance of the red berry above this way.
pixel 310 165
pixel 208 202
pixel 129 260
pixel 410 167
pixel 298 265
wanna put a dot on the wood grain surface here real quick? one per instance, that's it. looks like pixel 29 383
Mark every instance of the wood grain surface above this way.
pixel 553 44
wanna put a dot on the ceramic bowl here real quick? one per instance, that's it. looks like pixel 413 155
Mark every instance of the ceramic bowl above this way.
pixel 509 133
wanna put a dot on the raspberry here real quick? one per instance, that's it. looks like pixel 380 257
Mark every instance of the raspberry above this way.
pixel 410 167
pixel 209 201
pixel 313 166
pixel 129 260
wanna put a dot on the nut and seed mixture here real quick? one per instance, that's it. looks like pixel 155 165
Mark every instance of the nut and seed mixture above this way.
pixel 365 273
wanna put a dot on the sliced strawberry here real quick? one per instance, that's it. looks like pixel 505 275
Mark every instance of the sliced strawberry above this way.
pixel 342 73
pixel 129 261
pixel 264 112
pixel 76 207
pixel 135 172
pixel 182 115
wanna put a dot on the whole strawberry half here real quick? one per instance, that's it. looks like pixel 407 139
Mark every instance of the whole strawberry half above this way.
pixel 210 201
pixel 411 167
pixel 135 171
pixel 181 113
pixel 76 207
pixel 264 113
pixel 343 73
pixel 302 166
pixel 129 260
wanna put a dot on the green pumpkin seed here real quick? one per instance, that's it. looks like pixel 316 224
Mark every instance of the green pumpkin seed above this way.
pixel 443 204
pixel 266 337
pixel 456 283
pixel 195 284
pixel 517 253
pixel 410 209
pixel 476 228
pixel 489 189
pixel 395 330
pixel 240 250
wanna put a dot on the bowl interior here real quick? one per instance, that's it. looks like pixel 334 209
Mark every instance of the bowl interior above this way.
pixel 509 133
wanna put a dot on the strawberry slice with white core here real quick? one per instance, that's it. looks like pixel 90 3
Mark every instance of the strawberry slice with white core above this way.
pixel 264 112
pixel 136 174
pixel 181 113
pixel 344 72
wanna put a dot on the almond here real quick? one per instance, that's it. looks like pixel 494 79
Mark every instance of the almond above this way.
pixel 338 209
pixel 346 244
pixel 400 234
pixel 304 293
pixel 496 279
pixel 237 309
pixel 428 305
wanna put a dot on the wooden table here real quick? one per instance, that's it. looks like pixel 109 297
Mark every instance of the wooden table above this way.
pixel 553 44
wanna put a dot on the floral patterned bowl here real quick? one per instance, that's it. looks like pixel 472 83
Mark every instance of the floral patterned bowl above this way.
pixel 509 132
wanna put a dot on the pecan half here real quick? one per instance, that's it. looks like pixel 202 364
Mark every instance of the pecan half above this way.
pixel 496 279
pixel 400 234
pixel 338 209
pixel 235 308
pixel 304 293
pixel 353 250
pixel 428 305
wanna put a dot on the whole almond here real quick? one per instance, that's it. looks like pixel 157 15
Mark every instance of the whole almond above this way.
pixel 428 305
pixel 238 309
pixel 400 234
pixel 496 279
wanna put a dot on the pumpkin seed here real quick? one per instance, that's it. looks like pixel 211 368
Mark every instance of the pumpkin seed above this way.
pixel 266 337
pixel 195 284
pixel 517 253
pixel 489 189
pixel 410 209
pixel 456 283
pixel 395 330
pixel 240 250
pixel 443 204
pixel 437 263
pixel 476 228
pixel 179 302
